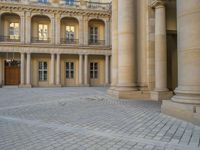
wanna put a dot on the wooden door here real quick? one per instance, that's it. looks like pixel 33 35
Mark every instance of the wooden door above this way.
pixel 12 75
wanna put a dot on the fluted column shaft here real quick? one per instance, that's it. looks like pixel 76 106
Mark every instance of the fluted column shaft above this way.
pixel 28 69
pixel 107 33
pixel 22 68
pixel 22 25
pixel 52 79
pixel 52 30
pixel 126 44
pixel 57 24
pixel 80 69
pixel 85 31
pixel 86 70
pixel 160 48
pixel 188 90
pixel 107 69
pixel 58 69
pixel 81 31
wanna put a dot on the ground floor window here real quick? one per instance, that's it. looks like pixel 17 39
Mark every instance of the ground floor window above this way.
pixel 93 70
pixel 69 70
pixel 42 71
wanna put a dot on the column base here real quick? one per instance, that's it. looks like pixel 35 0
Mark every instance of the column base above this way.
pixel 186 112
pixel 25 86
pixel 54 85
pixel 161 95
pixel 128 93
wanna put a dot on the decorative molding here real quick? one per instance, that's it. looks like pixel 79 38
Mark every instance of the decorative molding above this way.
pixel 157 3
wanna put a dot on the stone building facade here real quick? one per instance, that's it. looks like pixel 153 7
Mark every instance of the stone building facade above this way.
pixel 55 43
pixel 156 54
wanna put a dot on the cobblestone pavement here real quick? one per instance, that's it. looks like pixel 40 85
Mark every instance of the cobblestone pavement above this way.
pixel 87 119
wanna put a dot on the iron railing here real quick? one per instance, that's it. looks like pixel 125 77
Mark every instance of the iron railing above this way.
pixel 96 42
pixel 69 41
pixel 9 39
pixel 39 40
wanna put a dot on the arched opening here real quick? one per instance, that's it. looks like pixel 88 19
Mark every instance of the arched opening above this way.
pixel 10 27
pixel 69 30
pixel 96 28
pixel 40 29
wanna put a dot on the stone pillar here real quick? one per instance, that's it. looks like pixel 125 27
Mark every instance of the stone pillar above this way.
pixel 22 25
pixel 52 38
pixel 57 36
pixel 161 91
pixel 107 70
pixel 80 69
pixel 114 68
pixel 107 32
pixel 58 70
pixel 22 70
pixel 81 31
pixel 86 71
pixel 1 72
pixel 86 31
pixel 28 70
pixel 52 75
pixel 186 103
pixel 126 46
pixel 28 27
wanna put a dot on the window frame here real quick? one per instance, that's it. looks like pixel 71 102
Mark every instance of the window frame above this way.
pixel 94 70
pixel 70 71
pixel 42 71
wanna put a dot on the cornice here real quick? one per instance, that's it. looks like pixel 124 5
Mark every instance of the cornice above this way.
pixel 51 9
pixel 157 3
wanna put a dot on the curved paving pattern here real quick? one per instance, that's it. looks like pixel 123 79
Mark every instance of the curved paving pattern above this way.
pixel 87 119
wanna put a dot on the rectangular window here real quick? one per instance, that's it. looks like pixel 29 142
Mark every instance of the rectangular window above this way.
pixel 70 33
pixel 43 32
pixel 42 71
pixel 14 31
pixel 93 70
pixel 43 1
pixel 69 70
pixel 69 2
pixel 93 34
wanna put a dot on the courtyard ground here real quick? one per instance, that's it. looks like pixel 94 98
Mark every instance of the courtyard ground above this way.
pixel 87 119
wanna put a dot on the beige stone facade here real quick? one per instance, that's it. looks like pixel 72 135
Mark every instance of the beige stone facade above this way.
pixel 155 54
pixel 67 37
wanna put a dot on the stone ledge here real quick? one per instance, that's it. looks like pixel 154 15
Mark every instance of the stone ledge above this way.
pixel 186 112
pixel 135 95
pixel 161 95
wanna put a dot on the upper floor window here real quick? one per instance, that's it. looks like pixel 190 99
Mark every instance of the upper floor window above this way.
pixel 93 70
pixel 69 2
pixel 69 70
pixel 43 1
pixel 42 71
pixel 14 31
pixel 93 34
pixel 43 32
pixel 70 32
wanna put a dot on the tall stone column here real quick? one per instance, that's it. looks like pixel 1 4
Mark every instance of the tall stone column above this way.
pixel 86 31
pixel 86 70
pixel 80 69
pixel 22 70
pixel 186 103
pixel 58 70
pixel 28 27
pixel 126 48
pixel 1 72
pixel 52 30
pixel 22 25
pixel 52 75
pixel 57 24
pixel 107 32
pixel 114 63
pixel 107 70
pixel 161 91
pixel 28 70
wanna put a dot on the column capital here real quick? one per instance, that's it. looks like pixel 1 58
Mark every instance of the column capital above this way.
pixel 157 3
